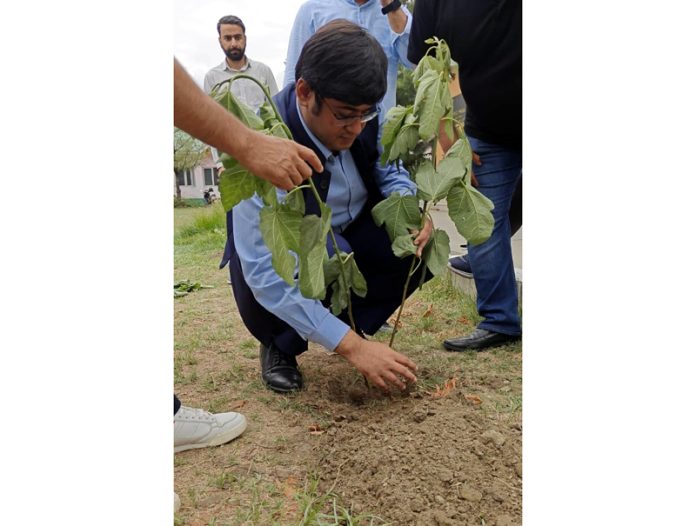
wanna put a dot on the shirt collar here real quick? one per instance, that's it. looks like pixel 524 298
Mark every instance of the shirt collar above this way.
pixel 226 67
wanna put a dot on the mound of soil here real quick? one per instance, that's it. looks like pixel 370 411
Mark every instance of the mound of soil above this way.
pixel 418 459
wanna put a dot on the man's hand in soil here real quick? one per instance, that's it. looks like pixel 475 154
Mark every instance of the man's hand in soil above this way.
pixel 379 363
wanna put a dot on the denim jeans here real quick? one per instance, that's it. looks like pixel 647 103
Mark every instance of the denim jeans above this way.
pixel 491 261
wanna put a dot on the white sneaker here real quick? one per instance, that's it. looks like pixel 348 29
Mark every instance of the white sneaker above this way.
pixel 194 428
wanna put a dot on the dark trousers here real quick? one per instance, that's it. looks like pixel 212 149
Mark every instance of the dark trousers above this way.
pixel 177 404
pixel 384 273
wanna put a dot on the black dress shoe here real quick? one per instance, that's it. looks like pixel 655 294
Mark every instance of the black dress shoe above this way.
pixel 478 340
pixel 279 370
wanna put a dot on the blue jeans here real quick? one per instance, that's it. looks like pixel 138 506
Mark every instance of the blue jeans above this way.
pixel 491 261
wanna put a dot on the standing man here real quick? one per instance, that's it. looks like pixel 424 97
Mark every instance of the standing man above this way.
pixel 330 109
pixel 485 38
pixel 232 38
pixel 386 20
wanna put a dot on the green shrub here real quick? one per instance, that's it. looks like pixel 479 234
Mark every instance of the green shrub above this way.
pixel 210 220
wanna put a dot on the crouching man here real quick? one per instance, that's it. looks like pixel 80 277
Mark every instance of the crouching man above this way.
pixel 340 78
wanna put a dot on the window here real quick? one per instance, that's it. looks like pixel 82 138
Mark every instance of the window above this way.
pixel 208 176
pixel 185 178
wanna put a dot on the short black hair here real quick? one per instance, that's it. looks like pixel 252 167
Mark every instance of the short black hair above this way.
pixel 343 61
pixel 231 19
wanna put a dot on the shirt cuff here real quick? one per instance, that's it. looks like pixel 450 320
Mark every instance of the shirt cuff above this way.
pixel 330 332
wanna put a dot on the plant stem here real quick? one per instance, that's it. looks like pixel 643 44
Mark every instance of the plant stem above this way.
pixel 424 216
pixel 411 271
pixel 403 301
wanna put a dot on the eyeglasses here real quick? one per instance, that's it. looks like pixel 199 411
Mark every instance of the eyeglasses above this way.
pixel 352 119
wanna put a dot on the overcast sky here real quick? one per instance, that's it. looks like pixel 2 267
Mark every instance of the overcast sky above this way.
pixel 268 24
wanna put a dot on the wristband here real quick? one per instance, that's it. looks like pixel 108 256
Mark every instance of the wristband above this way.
pixel 396 4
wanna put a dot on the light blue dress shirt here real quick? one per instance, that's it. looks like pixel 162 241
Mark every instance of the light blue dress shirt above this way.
pixel 347 197
pixel 315 13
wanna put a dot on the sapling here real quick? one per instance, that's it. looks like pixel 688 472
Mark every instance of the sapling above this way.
pixel 294 239
pixel 410 135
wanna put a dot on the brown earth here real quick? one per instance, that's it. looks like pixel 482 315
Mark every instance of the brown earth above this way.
pixel 439 454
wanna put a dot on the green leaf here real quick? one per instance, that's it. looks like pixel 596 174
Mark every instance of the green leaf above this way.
pixel 446 99
pixel 406 140
pixel 236 183
pixel 339 286
pixel 339 296
pixel 295 200
pixel 398 213
pixel 357 281
pixel 325 217
pixel 462 150
pixel 312 252
pixel 392 124
pixel 332 268
pixel 443 55
pixel 436 252
pixel 240 110
pixel 427 63
pixel 280 229
pixel 428 104
pixel 266 191
pixel 471 213
pixel 277 130
pixel 267 114
pixel 434 185
pixel 403 246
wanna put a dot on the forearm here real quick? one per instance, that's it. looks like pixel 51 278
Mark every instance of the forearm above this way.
pixel 199 115
pixel 444 140
pixel 397 19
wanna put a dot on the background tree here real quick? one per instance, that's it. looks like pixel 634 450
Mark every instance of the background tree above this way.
pixel 405 90
pixel 188 152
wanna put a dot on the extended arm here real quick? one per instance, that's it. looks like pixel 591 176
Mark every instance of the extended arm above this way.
pixel 280 161
pixel 400 22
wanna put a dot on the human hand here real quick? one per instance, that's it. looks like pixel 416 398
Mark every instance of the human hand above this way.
pixel 477 161
pixel 379 363
pixel 423 236
pixel 281 161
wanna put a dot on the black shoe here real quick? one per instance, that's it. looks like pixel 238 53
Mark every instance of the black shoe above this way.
pixel 461 265
pixel 279 370
pixel 478 340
